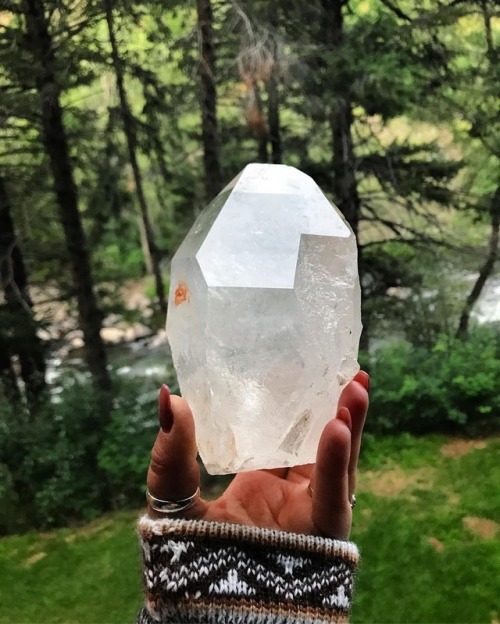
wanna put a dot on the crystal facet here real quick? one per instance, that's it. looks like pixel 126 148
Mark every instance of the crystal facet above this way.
pixel 264 319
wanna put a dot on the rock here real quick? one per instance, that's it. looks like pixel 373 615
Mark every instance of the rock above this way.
pixel 264 319
pixel 113 335
pixel 75 339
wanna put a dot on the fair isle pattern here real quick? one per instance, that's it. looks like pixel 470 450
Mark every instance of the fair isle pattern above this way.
pixel 197 571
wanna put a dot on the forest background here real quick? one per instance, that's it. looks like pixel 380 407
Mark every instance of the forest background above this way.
pixel 120 121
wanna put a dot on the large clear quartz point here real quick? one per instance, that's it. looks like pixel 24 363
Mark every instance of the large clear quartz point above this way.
pixel 264 319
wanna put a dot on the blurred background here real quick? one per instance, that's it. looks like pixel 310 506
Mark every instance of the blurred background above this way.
pixel 119 122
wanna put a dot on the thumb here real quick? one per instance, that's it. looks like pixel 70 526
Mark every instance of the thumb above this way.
pixel 173 472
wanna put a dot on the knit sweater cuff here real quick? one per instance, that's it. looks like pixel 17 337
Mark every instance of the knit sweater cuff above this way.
pixel 198 571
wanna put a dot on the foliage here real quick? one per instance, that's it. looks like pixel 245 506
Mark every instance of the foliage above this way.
pixel 125 450
pixel 68 464
pixel 415 64
pixel 416 293
pixel 419 85
pixel 452 386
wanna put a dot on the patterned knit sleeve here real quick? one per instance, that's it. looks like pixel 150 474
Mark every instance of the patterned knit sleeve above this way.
pixel 208 572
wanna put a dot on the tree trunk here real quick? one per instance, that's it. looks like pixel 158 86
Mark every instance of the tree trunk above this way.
pixel 156 145
pixel 8 378
pixel 345 185
pixel 487 268
pixel 24 340
pixel 345 188
pixel 273 104
pixel 260 129
pixel 492 254
pixel 208 101
pixel 273 119
pixel 54 135
pixel 153 255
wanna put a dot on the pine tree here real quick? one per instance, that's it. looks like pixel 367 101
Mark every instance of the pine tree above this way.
pixel 476 94
pixel 152 253
pixel 23 340
pixel 40 45
pixel 208 100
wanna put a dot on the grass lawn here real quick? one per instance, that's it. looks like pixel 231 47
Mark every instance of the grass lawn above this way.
pixel 427 523
pixel 91 574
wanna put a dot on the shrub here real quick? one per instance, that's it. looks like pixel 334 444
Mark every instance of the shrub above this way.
pixel 69 464
pixel 452 386
pixel 126 446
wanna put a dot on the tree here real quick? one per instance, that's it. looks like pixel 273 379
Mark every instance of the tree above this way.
pixel 486 269
pixel 23 340
pixel 208 100
pixel 258 66
pixel 40 45
pixel 345 186
pixel 152 253
pixel 475 98
pixel 353 84
pixel 273 99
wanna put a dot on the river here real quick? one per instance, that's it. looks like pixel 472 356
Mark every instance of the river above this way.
pixel 149 357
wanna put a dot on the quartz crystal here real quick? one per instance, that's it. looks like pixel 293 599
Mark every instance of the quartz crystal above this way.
pixel 264 319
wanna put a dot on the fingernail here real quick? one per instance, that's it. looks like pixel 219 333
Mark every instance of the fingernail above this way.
pixel 345 415
pixel 165 414
pixel 364 380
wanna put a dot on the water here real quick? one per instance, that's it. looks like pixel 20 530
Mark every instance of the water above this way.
pixel 149 358
pixel 487 309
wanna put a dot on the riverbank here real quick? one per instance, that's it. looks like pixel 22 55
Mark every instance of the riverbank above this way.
pixel 136 339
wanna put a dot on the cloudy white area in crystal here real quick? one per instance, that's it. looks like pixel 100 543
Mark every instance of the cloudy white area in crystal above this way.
pixel 264 319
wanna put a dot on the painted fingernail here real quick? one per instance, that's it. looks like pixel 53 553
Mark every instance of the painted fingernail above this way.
pixel 345 415
pixel 364 380
pixel 165 414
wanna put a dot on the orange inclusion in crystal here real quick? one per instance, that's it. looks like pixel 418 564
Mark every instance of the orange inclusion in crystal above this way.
pixel 181 293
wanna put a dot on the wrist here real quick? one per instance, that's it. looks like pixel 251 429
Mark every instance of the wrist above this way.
pixel 224 572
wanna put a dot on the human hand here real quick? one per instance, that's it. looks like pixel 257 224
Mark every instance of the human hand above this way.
pixel 276 499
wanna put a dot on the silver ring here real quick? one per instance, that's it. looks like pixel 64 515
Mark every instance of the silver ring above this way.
pixel 352 502
pixel 171 506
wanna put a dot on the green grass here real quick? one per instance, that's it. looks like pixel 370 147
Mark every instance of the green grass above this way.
pixel 91 574
pixel 423 558
pixel 426 527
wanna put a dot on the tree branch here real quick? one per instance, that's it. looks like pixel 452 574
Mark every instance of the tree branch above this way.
pixel 396 10
pixel 487 267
